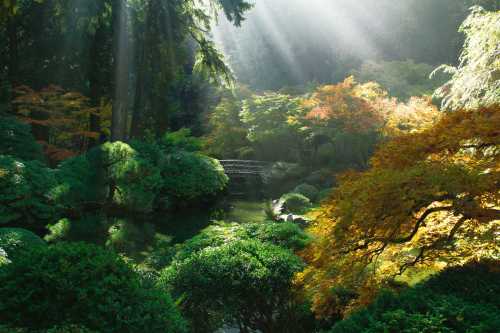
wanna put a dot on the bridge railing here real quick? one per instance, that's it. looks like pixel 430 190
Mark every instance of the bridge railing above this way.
pixel 244 167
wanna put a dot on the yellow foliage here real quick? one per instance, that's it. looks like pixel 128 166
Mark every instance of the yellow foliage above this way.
pixel 430 197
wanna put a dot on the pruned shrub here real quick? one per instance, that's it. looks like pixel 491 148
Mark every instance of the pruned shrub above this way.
pixel 85 285
pixel 188 176
pixel 309 191
pixel 295 203
pixel 14 241
pixel 245 283
pixel 27 196
pixel 17 141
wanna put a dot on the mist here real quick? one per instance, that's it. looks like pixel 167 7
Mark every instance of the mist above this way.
pixel 293 42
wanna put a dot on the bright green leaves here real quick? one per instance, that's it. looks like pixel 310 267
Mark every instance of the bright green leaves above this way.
pixel 240 282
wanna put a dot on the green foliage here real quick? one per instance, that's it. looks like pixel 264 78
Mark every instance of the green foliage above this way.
pixel 162 252
pixel 180 140
pixel 402 79
pixel 475 82
pixel 128 237
pixel 188 176
pixel 69 329
pixel 242 282
pixel 4 259
pixel 227 138
pixel 27 193
pixel 16 140
pixel 15 241
pixel 85 285
pixel 460 299
pixel 309 191
pixel 272 122
pixel 286 235
pixel 113 173
pixel 295 203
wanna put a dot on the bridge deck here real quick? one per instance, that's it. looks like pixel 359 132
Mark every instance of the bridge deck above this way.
pixel 244 167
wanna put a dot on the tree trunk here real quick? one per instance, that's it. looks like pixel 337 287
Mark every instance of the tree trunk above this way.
pixel 96 81
pixel 121 51
pixel 137 128
pixel 13 51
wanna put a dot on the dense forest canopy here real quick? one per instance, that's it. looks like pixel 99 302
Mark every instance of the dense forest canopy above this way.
pixel 249 166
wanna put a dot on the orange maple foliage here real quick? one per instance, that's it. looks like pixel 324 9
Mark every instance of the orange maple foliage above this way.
pixel 60 119
pixel 346 105
pixel 430 197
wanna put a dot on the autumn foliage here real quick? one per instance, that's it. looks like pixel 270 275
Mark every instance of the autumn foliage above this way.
pixel 59 119
pixel 347 105
pixel 430 197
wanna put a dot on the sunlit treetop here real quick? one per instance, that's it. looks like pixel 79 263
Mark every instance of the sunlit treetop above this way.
pixel 476 81
pixel 430 198
pixel 346 105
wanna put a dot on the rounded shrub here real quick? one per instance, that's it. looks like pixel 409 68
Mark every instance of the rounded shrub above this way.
pixel 188 176
pixel 295 203
pixel 27 196
pixel 129 237
pixel 14 241
pixel 17 140
pixel 85 285
pixel 113 173
pixel 248 283
pixel 309 191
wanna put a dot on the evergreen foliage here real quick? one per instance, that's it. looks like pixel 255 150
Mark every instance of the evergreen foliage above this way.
pixel 14 241
pixel 27 193
pixel 17 140
pixel 247 283
pixel 84 285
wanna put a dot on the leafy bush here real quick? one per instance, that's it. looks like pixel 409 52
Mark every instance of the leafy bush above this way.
pixel 113 173
pixel 14 241
pixel 295 203
pixel 162 252
pixel 247 283
pixel 3 258
pixel 27 195
pixel 308 191
pixel 188 176
pixel 85 285
pixel 128 237
pixel 16 140
pixel 285 234
pixel 460 299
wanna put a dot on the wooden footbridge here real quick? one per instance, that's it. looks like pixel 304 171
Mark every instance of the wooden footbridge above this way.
pixel 244 168
pixel 245 176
